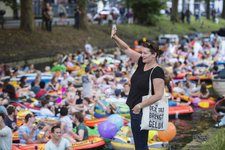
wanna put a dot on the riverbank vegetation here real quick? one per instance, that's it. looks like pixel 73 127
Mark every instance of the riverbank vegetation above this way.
pixel 20 45
pixel 217 141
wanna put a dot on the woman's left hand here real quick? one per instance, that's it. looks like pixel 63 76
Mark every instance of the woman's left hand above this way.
pixel 136 109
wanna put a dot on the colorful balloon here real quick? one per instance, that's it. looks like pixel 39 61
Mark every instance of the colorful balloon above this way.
pixel 107 129
pixel 169 134
pixel 196 100
pixel 117 120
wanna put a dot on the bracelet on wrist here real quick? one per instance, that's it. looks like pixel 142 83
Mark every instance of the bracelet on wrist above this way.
pixel 139 106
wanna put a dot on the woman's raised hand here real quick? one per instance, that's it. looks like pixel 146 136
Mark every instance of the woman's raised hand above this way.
pixel 113 32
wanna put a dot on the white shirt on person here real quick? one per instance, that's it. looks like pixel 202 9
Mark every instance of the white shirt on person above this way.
pixel 46 112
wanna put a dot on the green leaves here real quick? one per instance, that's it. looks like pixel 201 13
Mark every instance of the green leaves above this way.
pixel 12 3
pixel 147 11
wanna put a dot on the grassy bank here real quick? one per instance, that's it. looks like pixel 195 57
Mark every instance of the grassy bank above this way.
pixel 19 45
pixel 217 141
pixel 211 139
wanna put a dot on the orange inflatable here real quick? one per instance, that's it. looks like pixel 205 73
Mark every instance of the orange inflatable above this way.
pixel 187 98
pixel 93 142
pixel 169 134
pixel 92 122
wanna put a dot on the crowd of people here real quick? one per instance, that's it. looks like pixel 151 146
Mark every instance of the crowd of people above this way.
pixel 108 79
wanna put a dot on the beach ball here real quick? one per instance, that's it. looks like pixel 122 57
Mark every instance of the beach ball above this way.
pixel 196 100
pixel 117 120
pixel 107 129
pixel 169 134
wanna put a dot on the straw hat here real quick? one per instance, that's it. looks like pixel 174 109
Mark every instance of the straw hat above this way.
pixel 113 107
pixel 47 68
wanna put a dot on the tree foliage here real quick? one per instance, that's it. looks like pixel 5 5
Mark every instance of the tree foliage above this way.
pixel 147 11
pixel 12 4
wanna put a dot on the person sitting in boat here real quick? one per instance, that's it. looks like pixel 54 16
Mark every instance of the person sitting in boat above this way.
pixel 10 118
pixel 57 142
pixel 5 134
pixel 29 133
pixel 5 98
pixel 23 83
pixel 53 85
pixel 64 120
pixel 81 133
pixel 179 88
pixel 45 111
pixel 123 77
pixel 110 109
pixel 31 69
pixel 202 94
pixel 42 91
pixel 36 86
pixel 81 107
pixel 126 90
pixel 188 79
pixel 118 97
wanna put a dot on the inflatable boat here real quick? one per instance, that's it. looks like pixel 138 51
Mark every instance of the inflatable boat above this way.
pixel 93 143
pixel 187 98
pixel 120 142
pixel 180 111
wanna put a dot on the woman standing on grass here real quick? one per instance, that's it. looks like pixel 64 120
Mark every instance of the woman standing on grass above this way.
pixel 147 61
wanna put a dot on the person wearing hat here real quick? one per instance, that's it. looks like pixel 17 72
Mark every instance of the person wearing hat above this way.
pixel 5 134
pixel 110 109
pixel 47 70
pixel 87 80
pixel 29 133
pixel 118 98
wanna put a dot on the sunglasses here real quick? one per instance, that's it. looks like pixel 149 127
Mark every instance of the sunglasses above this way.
pixel 150 45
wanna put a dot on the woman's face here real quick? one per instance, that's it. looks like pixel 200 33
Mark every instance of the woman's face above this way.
pixel 147 55
pixel 25 80
pixel 32 66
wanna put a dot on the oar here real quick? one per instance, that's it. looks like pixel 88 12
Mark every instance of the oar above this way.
pixel 203 104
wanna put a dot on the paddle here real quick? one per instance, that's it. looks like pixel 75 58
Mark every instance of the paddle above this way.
pixel 203 104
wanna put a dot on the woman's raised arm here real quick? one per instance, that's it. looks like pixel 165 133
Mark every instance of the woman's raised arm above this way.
pixel 124 47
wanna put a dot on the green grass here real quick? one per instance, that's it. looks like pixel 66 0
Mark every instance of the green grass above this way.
pixel 217 142
pixel 65 39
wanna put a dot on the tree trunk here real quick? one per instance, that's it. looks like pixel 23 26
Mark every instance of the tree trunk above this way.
pixel 83 19
pixel 207 9
pixel 223 13
pixel 174 16
pixel 15 10
pixel 27 16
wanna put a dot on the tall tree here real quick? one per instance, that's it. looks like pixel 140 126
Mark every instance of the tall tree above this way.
pixel 174 16
pixel 207 9
pixel 223 13
pixel 83 15
pixel 27 16
pixel 147 11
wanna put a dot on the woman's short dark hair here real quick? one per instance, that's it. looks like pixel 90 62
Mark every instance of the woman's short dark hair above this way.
pixel 154 48
pixel 79 116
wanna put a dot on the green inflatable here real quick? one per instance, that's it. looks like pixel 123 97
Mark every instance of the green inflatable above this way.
pixel 60 67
